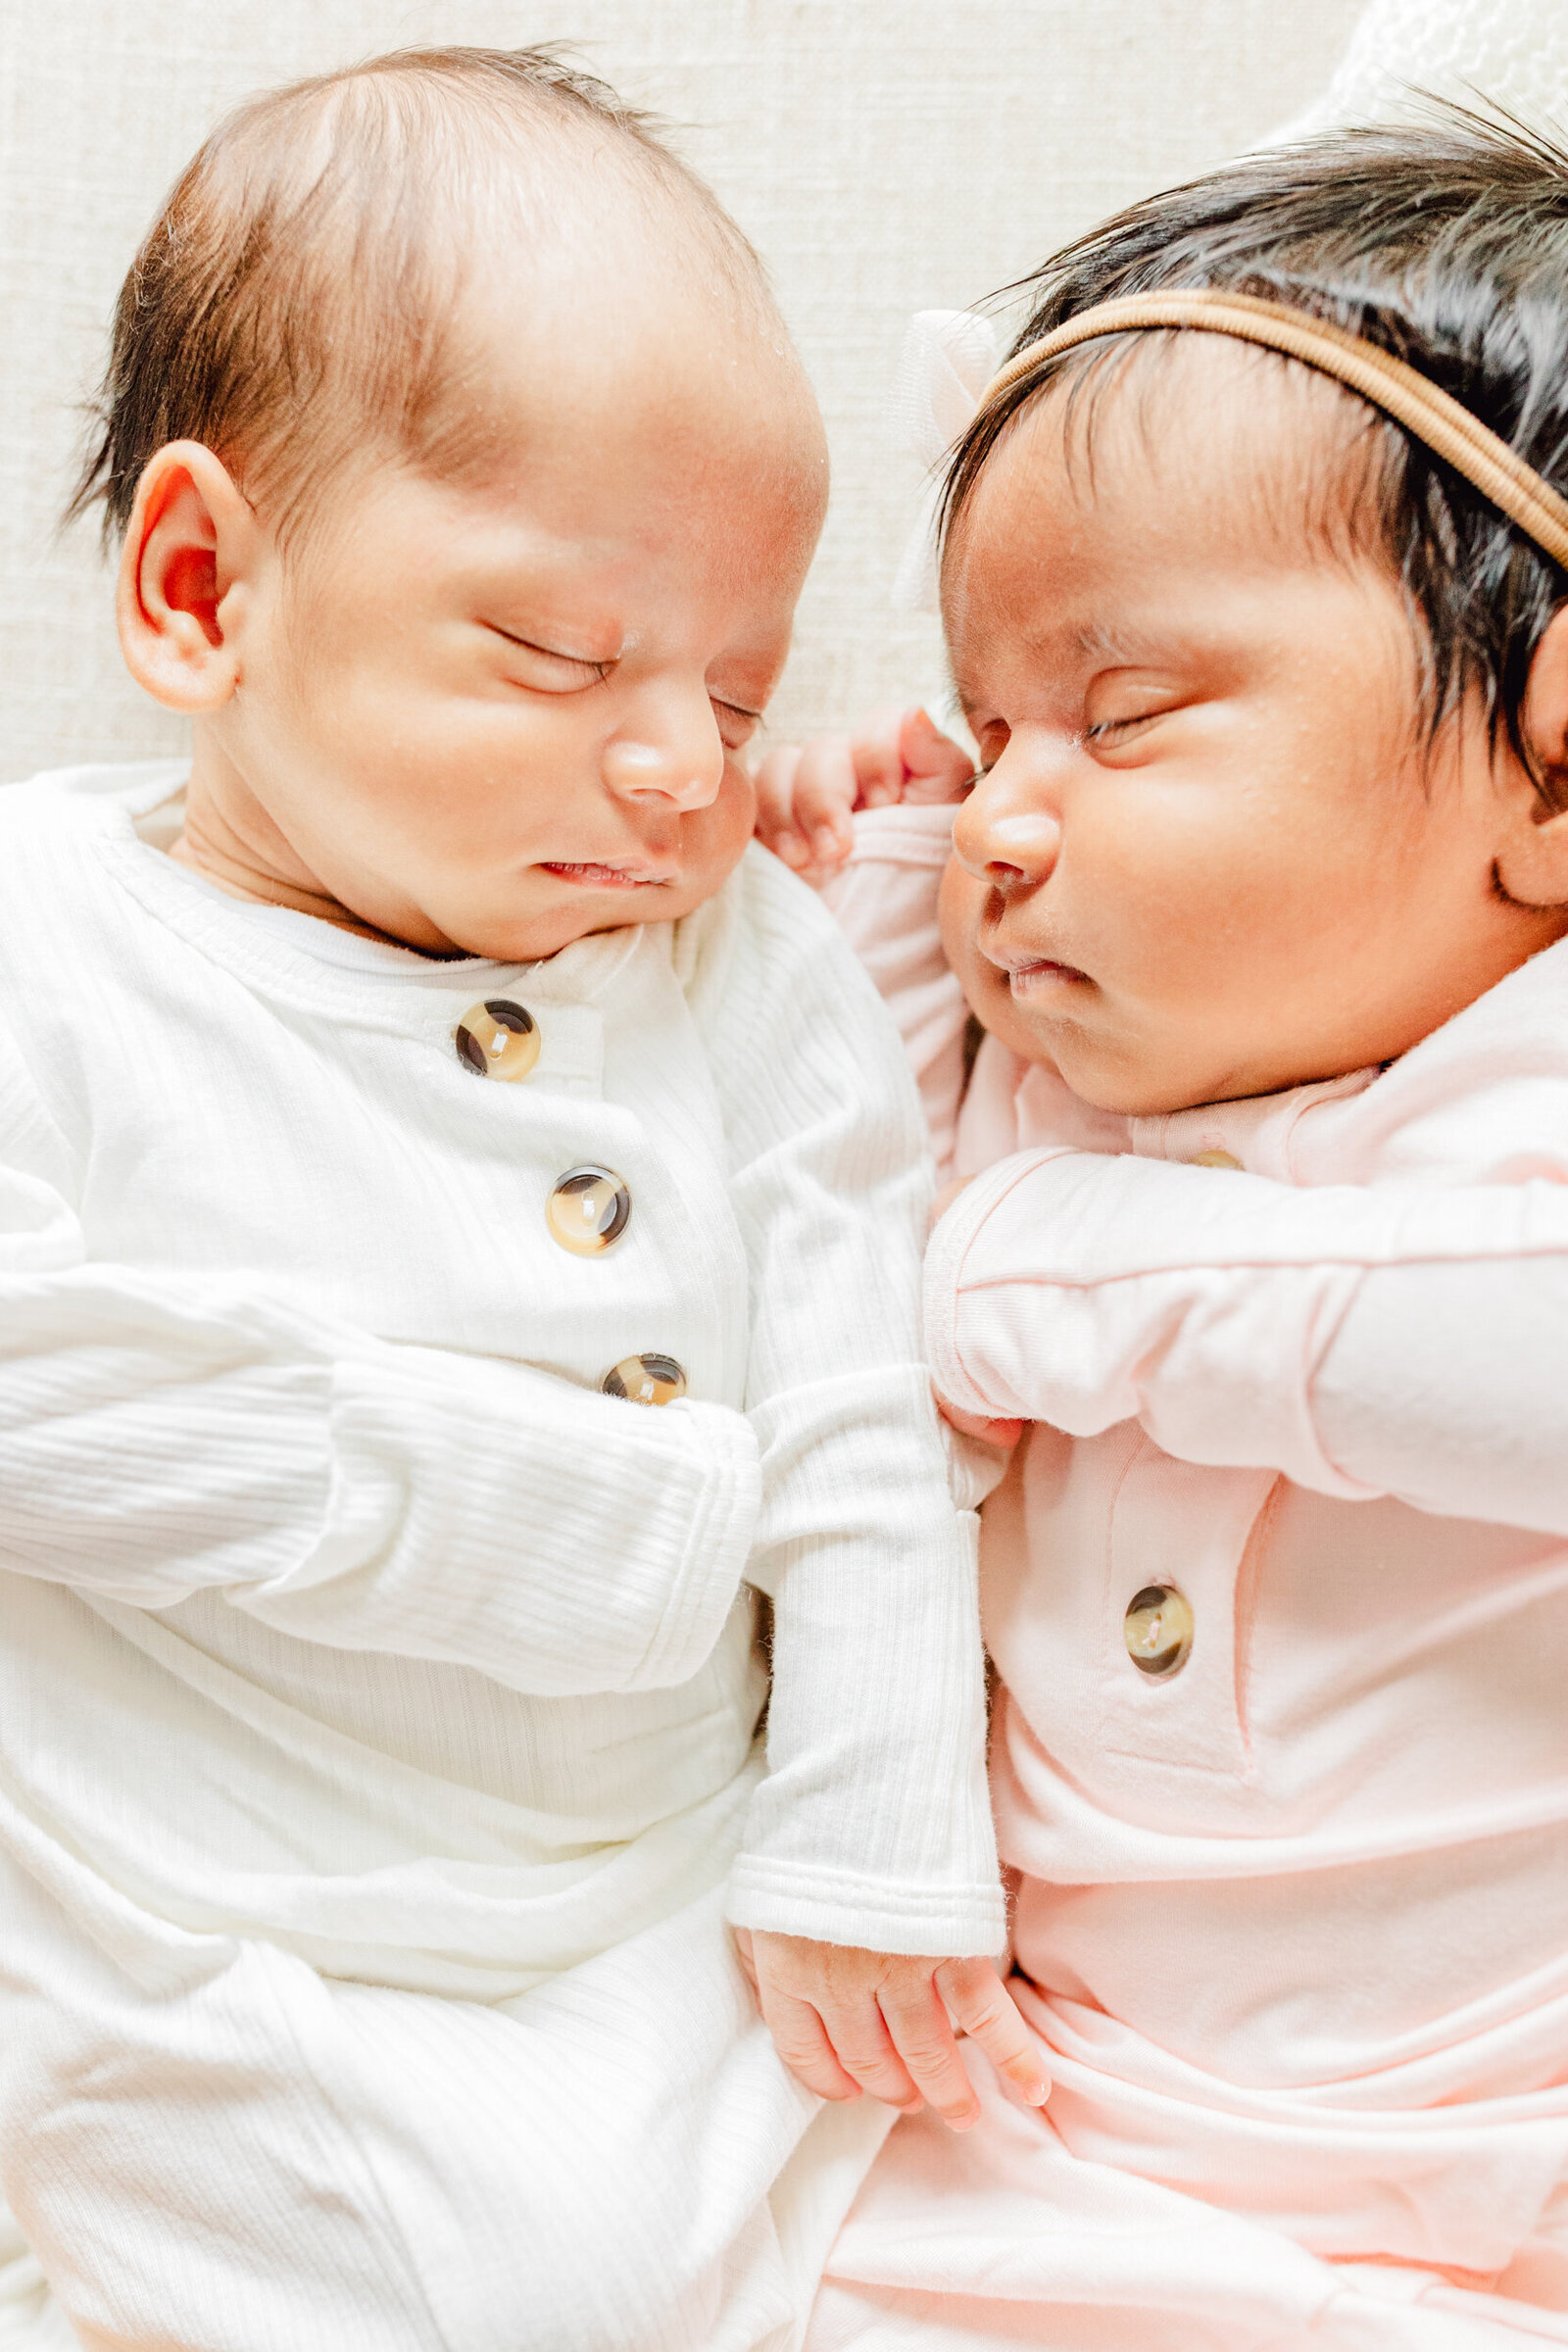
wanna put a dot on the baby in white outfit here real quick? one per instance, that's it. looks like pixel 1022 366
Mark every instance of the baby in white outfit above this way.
pixel 395 1099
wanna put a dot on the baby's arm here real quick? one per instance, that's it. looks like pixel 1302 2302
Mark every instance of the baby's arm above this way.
pixel 160 1436
pixel 869 1858
pixel 868 819
pixel 1398 1339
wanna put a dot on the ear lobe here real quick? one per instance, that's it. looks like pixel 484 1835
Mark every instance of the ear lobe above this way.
pixel 191 547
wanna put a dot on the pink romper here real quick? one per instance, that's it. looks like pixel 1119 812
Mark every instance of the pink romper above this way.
pixel 1277 1590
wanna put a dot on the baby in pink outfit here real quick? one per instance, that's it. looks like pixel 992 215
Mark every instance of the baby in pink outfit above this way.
pixel 1258 897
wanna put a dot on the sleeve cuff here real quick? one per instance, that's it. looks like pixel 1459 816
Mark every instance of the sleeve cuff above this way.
pixel 836 1906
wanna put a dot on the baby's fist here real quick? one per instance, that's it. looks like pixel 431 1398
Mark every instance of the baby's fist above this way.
pixel 806 795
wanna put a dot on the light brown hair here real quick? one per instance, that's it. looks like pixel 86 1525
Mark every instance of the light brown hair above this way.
pixel 292 305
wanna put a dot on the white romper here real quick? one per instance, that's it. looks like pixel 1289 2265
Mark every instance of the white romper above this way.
pixel 378 1697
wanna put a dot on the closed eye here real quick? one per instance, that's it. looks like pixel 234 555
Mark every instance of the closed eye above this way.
pixel 736 724
pixel 1108 730
pixel 548 670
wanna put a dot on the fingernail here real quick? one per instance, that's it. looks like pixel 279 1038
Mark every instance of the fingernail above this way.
pixel 876 796
pixel 826 842
pixel 792 848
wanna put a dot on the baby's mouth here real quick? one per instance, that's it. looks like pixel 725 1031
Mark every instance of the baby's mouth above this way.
pixel 1027 976
pixel 589 875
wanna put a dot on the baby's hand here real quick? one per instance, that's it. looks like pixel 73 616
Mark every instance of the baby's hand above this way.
pixel 846 2021
pixel 805 797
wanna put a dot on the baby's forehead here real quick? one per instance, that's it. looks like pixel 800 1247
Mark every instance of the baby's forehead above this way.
pixel 1161 445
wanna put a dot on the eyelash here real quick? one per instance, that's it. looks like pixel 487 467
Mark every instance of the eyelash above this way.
pixel 551 653
pixel 600 670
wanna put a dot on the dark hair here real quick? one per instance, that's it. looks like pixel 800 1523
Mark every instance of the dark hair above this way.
pixel 292 301
pixel 1447 245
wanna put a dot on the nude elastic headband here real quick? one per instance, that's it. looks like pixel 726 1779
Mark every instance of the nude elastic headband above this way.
pixel 1442 423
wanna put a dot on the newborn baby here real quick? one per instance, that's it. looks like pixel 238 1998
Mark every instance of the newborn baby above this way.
pixel 460 1226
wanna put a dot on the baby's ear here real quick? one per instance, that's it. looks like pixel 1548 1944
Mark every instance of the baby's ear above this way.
pixel 1533 861
pixel 192 543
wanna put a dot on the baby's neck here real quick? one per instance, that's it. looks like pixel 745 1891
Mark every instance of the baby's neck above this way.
pixel 230 840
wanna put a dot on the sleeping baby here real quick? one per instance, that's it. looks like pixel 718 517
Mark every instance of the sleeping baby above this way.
pixel 460 1226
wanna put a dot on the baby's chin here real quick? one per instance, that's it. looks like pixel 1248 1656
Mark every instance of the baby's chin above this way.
pixel 1120 1077
pixel 551 912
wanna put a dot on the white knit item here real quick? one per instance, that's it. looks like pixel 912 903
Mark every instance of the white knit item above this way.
pixel 352 1638
pixel 1509 54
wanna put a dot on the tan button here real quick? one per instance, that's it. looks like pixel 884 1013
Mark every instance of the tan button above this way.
pixel 589 1211
pixel 1214 1160
pixel 1157 1630
pixel 645 1380
pixel 498 1039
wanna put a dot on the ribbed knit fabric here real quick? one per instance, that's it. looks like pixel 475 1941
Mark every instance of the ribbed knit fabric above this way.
pixel 350 1634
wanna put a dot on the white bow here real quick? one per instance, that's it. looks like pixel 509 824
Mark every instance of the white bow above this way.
pixel 948 357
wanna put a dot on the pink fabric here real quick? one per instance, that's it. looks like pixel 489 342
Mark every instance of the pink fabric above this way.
pixel 1294 1920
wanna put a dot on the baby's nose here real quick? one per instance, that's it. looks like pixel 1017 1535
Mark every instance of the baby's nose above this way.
pixel 1008 848
pixel 688 772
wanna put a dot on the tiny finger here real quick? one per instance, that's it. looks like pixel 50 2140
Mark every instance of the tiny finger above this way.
pixel 802 2041
pixel 918 2027
pixel 824 788
pixel 774 785
pixel 938 768
pixel 864 2047
pixel 986 2010
pixel 878 763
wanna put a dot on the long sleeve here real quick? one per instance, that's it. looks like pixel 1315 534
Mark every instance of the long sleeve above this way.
pixel 873 1826
pixel 884 901
pixel 159 1435
pixel 1398 1339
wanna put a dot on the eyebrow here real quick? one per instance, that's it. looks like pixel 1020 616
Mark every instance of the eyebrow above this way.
pixel 1122 645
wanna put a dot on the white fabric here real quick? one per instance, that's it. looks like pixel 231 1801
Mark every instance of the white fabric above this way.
pixel 350 1634
pixel 948 357
pixel 1508 54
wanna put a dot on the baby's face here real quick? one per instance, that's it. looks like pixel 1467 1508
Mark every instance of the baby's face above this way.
pixel 493 713
pixel 1214 856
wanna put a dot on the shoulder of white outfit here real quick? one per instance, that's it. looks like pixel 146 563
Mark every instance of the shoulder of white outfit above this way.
pixel 768 921
pixel 54 832
pixel 128 788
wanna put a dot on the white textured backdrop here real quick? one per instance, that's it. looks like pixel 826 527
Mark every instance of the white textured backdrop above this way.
pixel 884 155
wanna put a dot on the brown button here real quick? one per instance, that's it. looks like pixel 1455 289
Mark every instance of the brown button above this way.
pixel 498 1039
pixel 588 1210
pixel 1157 1630
pixel 645 1380
pixel 1214 1160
